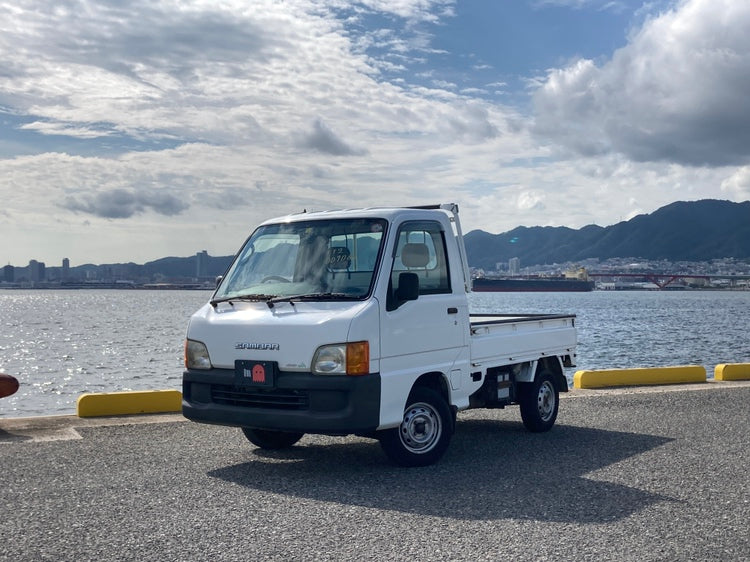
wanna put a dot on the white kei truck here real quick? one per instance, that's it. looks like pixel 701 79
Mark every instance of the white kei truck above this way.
pixel 357 322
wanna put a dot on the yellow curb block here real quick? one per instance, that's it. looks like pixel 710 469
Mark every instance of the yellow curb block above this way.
pixel 130 402
pixel 634 377
pixel 732 372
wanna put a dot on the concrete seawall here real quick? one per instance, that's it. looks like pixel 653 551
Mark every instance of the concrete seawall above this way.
pixel 684 374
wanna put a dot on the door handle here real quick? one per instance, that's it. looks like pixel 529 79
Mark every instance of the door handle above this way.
pixel 452 310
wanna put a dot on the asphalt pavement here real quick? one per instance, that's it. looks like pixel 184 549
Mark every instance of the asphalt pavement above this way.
pixel 637 474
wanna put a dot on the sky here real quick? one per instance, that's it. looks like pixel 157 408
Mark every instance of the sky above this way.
pixel 131 131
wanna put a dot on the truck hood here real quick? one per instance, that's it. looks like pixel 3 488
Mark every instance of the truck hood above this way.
pixel 288 334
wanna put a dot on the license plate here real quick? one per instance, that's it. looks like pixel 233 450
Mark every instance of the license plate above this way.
pixel 254 373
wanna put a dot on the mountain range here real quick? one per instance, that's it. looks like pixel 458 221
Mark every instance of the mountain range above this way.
pixel 682 231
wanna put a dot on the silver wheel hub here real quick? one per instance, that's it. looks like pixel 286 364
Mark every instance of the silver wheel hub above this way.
pixel 545 401
pixel 421 428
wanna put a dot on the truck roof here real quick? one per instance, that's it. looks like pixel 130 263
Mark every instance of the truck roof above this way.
pixel 364 212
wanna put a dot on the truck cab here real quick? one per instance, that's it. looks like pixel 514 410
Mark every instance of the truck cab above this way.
pixel 357 322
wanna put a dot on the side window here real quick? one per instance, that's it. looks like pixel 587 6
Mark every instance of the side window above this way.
pixel 421 250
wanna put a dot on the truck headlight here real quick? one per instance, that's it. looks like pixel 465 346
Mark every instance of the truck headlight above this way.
pixel 196 355
pixel 342 359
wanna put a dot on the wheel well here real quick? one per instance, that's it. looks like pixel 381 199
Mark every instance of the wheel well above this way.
pixel 435 381
pixel 553 365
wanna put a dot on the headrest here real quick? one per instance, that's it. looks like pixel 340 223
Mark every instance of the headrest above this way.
pixel 415 255
pixel 338 258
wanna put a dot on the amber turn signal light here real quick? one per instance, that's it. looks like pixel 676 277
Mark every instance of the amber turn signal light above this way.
pixel 358 358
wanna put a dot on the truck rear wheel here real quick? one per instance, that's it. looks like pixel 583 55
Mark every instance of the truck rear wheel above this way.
pixel 424 433
pixel 269 439
pixel 539 401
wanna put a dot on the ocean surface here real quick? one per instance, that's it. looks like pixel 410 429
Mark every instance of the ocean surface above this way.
pixel 60 344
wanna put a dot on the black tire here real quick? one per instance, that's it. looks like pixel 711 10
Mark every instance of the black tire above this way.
pixel 539 402
pixel 269 439
pixel 424 433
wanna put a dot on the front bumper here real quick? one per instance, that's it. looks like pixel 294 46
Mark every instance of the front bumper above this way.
pixel 304 402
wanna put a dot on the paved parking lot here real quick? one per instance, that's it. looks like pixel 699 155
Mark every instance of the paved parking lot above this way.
pixel 656 474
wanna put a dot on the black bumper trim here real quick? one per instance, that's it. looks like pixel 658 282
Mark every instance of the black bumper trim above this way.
pixel 302 402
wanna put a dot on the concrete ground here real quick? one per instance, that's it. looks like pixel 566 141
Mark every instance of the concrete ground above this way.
pixel 637 474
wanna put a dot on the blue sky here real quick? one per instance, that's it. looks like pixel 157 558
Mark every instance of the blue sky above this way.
pixel 133 132
pixel 486 43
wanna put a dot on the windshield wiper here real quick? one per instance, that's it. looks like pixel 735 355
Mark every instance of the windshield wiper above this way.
pixel 312 297
pixel 251 298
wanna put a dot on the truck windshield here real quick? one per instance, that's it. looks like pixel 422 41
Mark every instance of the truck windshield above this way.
pixel 327 258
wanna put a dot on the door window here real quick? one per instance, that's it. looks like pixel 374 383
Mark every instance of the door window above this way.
pixel 420 250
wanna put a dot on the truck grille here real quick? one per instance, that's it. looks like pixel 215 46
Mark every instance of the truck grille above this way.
pixel 278 399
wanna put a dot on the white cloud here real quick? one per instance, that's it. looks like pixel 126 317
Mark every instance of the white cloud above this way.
pixel 737 186
pixel 677 92
pixel 530 200
pixel 57 128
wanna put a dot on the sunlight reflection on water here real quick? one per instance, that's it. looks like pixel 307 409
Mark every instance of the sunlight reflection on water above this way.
pixel 60 344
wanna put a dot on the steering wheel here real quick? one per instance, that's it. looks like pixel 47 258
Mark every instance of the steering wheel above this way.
pixel 271 278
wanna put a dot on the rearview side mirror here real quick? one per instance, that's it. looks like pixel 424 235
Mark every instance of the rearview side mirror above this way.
pixel 408 288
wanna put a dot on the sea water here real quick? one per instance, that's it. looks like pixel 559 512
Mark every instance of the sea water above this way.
pixel 62 343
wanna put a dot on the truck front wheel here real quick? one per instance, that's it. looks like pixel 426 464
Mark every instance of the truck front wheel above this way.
pixel 539 401
pixel 269 439
pixel 424 433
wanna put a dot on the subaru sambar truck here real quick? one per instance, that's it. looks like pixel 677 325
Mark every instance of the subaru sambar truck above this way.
pixel 358 322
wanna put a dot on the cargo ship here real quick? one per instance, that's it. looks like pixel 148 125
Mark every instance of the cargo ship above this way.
pixel 572 281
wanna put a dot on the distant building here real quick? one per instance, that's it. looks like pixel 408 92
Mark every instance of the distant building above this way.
pixel 514 266
pixel 201 260
pixel 9 274
pixel 37 271
pixel 65 273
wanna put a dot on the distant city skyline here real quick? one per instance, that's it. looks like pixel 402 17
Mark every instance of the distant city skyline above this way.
pixel 65 262
pixel 609 274
pixel 37 271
